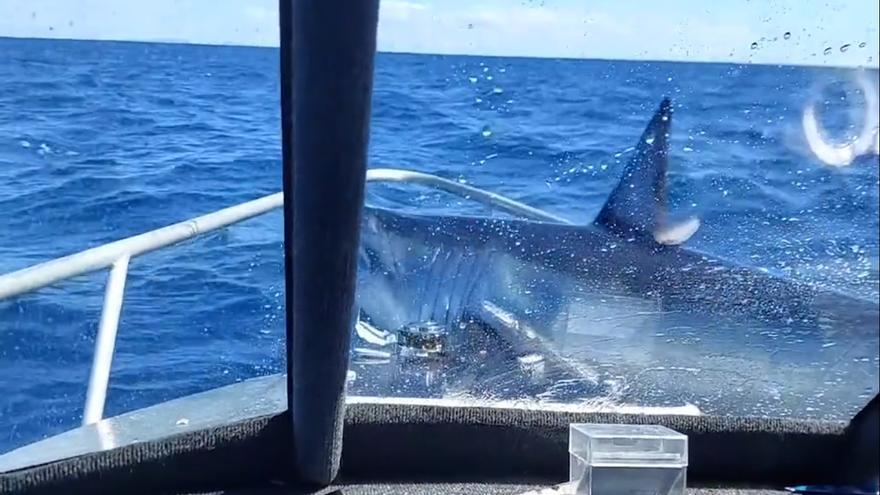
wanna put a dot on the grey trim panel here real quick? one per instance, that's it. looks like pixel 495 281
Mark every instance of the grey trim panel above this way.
pixel 217 407
pixel 481 443
pixel 232 455
pixel 432 444
pixel 473 488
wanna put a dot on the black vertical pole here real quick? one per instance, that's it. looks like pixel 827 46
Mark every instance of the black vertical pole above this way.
pixel 327 53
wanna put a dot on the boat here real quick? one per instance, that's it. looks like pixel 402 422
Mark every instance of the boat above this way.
pixel 298 432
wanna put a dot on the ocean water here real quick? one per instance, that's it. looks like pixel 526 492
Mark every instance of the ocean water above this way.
pixel 103 140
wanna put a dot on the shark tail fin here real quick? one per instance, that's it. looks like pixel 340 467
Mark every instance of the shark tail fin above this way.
pixel 637 206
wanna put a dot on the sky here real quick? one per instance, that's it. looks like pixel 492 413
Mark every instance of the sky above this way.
pixel 835 32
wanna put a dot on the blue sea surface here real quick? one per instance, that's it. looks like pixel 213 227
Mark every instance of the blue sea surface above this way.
pixel 103 140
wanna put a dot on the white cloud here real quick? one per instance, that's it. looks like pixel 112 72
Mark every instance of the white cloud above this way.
pixel 679 30
pixel 572 31
pixel 257 13
pixel 399 10
pixel 631 31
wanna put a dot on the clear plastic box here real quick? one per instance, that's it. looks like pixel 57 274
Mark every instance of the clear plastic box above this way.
pixel 618 459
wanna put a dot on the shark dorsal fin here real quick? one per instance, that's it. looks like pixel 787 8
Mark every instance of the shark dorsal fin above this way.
pixel 637 206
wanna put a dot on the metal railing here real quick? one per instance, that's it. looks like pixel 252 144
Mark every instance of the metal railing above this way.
pixel 117 255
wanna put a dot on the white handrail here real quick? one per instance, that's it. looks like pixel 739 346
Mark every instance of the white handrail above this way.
pixel 43 274
pixel 105 342
pixel 117 254
pixel 498 201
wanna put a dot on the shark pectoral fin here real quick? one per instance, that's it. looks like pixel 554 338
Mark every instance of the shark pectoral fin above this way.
pixel 679 233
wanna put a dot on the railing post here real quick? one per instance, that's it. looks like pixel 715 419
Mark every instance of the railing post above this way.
pixel 105 342
pixel 327 53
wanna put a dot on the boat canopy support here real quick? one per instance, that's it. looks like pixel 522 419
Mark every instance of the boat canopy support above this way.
pixel 327 54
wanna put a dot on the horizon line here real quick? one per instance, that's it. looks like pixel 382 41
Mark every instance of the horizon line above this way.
pixel 181 42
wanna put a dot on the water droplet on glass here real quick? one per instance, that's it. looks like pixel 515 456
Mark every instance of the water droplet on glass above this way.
pixel 754 45
pixel 497 91
pixel 844 48
pixel 486 132
pixel 827 51
pixel 787 35
pixel 649 139
pixel 687 149
pixel 862 44
pixel 182 422
pixel 472 79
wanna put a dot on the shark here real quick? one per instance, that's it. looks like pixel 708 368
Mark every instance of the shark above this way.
pixel 620 297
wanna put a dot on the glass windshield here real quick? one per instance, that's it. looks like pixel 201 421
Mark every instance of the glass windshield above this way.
pixel 668 208
pixel 102 140
pixel 710 179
